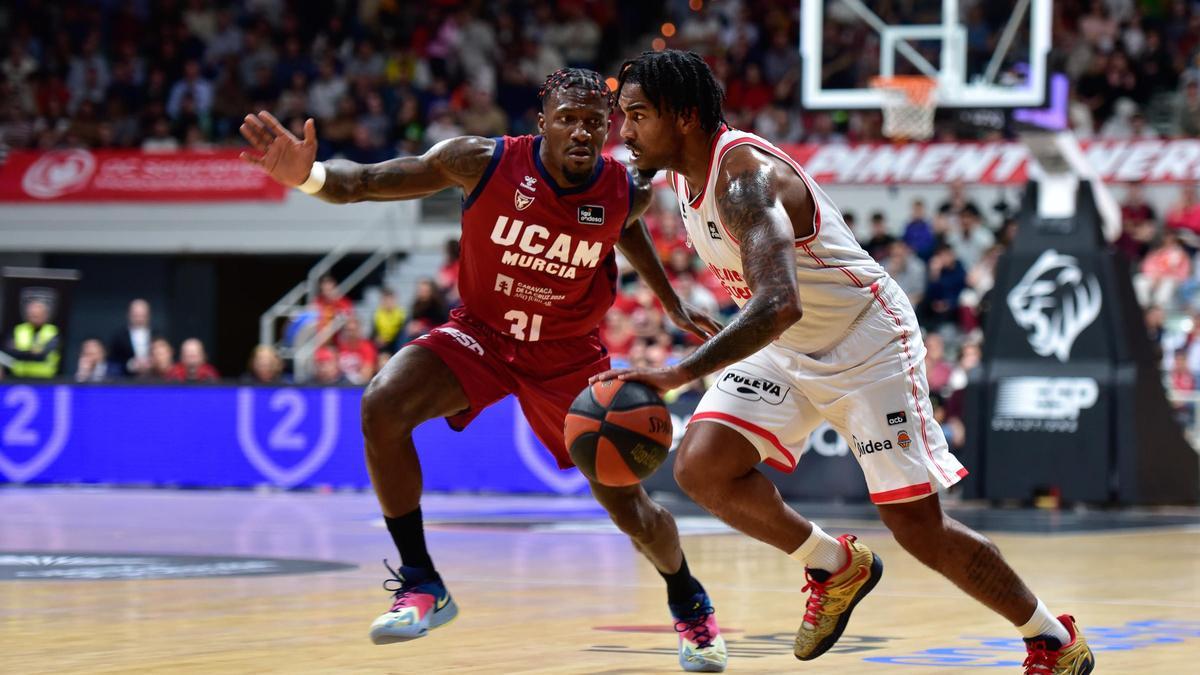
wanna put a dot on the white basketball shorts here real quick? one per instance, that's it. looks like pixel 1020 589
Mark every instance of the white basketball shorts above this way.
pixel 870 387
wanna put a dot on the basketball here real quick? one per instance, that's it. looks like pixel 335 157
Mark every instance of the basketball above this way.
pixel 618 433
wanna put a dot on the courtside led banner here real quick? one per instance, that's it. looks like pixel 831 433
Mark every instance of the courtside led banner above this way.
pixel 133 176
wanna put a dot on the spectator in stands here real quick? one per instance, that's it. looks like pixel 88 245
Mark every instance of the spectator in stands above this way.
pixel 356 354
pixel 447 277
pixel 938 368
pixel 1162 272
pixel 1183 380
pixel 1185 214
pixel 330 302
pixel 428 310
pixel 387 321
pixel 880 241
pixel 93 365
pixel 129 348
pixel 162 361
pixel 193 86
pixel 918 233
pixel 957 200
pixel 617 333
pixel 971 238
pixel 1137 225
pixel 34 344
pixel 1188 116
pixel 264 367
pixel 908 271
pixel 947 279
pixel 325 368
pixel 193 364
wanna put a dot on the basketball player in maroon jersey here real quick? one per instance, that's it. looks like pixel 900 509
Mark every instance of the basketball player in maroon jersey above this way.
pixel 541 215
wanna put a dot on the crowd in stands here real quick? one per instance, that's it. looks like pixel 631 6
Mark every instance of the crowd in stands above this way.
pixel 391 78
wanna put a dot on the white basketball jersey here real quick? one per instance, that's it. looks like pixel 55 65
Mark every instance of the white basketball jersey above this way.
pixel 835 275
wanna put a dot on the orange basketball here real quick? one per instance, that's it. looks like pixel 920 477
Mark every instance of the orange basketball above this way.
pixel 618 432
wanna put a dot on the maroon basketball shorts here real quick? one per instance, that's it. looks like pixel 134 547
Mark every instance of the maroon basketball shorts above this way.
pixel 545 376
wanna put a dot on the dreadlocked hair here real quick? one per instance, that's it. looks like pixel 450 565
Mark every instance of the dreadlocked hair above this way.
pixel 576 78
pixel 678 82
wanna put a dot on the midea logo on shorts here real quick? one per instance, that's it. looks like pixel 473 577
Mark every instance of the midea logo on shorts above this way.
pixel 1054 302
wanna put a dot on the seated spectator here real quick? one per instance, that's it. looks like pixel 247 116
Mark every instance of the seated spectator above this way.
pixel 34 345
pixel 388 320
pixel 129 348
pixel 937 368
pixel 1163 271
pixel 617 333
pixel 880 240
pixel 265 367
pixel 325 368
pixel 1185 215
pixel 193 364
pixel 447 277
pixel 330 302
pixel 162 361
pixel 93 365
pixel 356 354
pixel 908 271
pixel 1137 225
pixel 972 238
pixel 428 310
pixel 1188 118
pixel 918 233
pixel 947 279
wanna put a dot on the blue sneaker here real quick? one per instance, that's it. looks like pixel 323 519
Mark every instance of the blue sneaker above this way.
pixel 701 647
pixel 417 608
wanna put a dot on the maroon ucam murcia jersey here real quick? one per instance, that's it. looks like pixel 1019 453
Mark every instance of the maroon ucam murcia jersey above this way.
pixel 537 258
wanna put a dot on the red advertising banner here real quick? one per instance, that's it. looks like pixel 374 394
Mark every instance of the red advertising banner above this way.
pixel 133 176
pixel 1150 161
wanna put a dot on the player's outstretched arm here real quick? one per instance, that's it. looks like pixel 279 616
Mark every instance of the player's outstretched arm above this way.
pixel 635 244
pixel 750 202
pixel 289 160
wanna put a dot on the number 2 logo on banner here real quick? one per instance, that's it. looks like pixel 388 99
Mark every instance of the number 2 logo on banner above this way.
pixel 20 435
pixel 286 435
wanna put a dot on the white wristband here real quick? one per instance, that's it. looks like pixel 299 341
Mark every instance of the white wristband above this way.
pixel 316 180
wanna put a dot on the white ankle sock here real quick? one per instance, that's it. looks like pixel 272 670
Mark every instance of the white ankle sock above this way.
pixel 1044 623
pixel 820 551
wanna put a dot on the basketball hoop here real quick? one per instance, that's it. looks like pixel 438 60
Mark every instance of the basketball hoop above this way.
pixel 909 103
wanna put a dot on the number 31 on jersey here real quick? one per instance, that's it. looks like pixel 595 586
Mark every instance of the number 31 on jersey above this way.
pixel 521 321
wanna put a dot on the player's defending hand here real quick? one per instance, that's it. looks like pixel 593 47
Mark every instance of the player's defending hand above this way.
pixel 286 158
pixel 661 379
pixel 694 321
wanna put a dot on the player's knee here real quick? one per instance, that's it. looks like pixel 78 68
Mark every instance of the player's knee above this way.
pixel 913 524
pixel 689 475
pixel 386 410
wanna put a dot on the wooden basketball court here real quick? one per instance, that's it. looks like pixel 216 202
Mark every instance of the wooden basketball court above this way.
pixel 545 586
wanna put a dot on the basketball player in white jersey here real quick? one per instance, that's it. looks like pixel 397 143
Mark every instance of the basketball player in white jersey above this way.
pixel 823 334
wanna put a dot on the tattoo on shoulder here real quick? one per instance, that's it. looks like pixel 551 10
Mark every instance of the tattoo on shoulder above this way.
pixel 746 196
pixel 467 156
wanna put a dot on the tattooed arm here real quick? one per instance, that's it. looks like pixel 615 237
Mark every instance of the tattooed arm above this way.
pixel 751 191
pixel 758 199
pixel 289 160
pixel 635 244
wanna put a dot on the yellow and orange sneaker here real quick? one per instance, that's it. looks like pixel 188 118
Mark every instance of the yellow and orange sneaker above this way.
pixel 1049 657
pixel 833 596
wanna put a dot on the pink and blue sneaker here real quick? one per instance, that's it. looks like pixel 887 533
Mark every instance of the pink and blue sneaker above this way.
pixel 419 604
pixel 701 647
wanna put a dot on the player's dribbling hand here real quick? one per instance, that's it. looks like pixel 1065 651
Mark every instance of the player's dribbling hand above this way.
pixel 661 379
pixel 694 321
pixel 286 158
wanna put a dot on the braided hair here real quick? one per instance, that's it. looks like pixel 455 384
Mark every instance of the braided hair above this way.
pixel 678 82
pixel 576 78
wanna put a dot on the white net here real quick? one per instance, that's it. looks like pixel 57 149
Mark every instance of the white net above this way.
pixel 909 104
